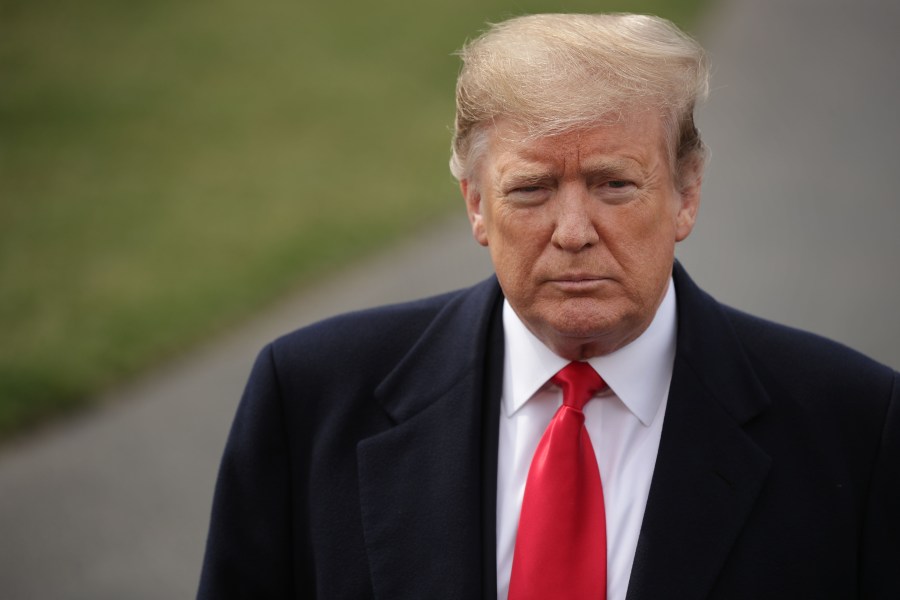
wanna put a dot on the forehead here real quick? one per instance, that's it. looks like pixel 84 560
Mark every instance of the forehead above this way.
pixel 636 140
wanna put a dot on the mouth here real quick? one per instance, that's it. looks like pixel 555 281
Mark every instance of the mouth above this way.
pixel 578 283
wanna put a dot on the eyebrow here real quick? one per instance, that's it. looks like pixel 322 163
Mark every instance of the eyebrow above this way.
pixel 601 169
pixel 519 178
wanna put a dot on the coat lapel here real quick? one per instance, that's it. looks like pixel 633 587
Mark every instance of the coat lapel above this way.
pixel 708 471
pixel 420 484
pixel 420 488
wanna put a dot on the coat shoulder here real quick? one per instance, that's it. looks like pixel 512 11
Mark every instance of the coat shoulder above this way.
pixel 734 351
pixel 808 358
pixel 372 340
pixel 368 344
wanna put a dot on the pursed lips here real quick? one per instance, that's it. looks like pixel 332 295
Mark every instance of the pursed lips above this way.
pixel 577 276
pixel 577 282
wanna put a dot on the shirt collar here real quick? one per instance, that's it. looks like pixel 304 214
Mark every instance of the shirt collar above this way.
pixel 638 373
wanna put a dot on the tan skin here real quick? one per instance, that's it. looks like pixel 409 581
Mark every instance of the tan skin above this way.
pixel 582 229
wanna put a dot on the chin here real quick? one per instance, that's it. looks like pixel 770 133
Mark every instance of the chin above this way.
pixel 588 319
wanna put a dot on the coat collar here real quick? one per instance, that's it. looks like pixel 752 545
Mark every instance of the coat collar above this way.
pixel 708 471
pixel 421 506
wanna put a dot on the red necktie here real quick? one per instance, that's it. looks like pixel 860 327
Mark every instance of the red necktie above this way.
pixel 561 542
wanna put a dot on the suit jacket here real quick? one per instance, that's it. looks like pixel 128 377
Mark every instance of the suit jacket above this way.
pixel 362 462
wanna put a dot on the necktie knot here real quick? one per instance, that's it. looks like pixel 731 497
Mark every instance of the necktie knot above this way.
pixel 560 551
pixel 579 382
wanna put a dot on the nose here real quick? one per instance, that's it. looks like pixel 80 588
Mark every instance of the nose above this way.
pixel 574 229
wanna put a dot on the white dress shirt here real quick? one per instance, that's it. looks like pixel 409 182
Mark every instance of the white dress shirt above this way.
pixel 624 423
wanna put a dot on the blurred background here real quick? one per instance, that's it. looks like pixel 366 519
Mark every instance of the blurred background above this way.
pixel 182 181
pixel 168 167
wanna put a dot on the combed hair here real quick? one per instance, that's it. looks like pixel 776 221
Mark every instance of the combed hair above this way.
pixel 554 73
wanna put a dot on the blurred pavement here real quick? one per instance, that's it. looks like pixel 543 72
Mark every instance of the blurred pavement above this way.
pixel 115 505
pixel 798 224
pixel 800 218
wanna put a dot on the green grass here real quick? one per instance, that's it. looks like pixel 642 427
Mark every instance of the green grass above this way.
pixel 167 167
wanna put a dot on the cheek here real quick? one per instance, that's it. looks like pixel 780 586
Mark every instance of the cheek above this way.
pixel 523 234
pixel 516 246
pixel 642 238
pixel 629 227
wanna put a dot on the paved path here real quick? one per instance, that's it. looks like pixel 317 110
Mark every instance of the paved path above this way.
pixel 116 504
pixel 800 219
pixel 798 224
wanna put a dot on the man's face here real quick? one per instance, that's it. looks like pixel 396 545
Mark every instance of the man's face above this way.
pixel 582 229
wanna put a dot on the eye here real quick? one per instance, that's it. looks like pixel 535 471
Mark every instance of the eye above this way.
pixel 527 194
pixel 615 191
pixel 617 186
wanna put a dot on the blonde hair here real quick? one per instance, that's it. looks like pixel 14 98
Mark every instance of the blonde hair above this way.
pixel 555 73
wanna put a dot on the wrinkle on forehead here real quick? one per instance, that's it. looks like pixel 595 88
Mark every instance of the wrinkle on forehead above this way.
pixel 613 154
pixel 525 128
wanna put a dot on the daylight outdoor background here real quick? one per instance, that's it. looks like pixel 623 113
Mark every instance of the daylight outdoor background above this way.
pixel 182 182
pixel 168 167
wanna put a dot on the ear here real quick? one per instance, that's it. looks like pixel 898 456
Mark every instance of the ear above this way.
pixel 690 204
pixel 473 208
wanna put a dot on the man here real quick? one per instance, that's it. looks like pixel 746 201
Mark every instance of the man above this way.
pixel 437 449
